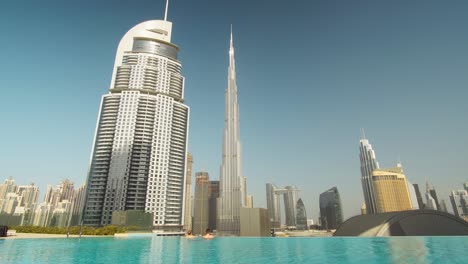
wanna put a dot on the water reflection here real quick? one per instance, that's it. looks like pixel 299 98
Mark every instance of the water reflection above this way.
pixel 407 249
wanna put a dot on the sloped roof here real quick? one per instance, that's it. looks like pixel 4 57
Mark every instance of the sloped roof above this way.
pixel 405 223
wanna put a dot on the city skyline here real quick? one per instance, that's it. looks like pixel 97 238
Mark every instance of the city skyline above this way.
pixel 422 77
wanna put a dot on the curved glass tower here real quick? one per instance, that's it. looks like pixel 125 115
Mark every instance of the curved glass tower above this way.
pixel 138 160
pixel 231 182
pixel 368 164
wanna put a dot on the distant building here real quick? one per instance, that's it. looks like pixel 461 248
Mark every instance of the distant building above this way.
pixel 249 201
pixel 331 212
pixel 434 195
pixel 254 222
pixel 412 194
pixel 459 200
pixel 201 203
pixel 363 209
pixel 443 206
pixel 6 187
pixel 27 201
pixel 188 193
pixel 290 200
pixel 418 196
pixel 301 216
pixel 368 164
pixel 78 205
pixel 310 222
pixel 391 191
pixel 430 200
pixel 43 214
pixel 465 186
pixel 61 215
pixel 273 205
pixel 213 191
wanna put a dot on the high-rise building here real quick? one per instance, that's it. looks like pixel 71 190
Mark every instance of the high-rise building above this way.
pixel 43 214
pixel 290 201
pixel 231 180
pixel 249 201
pixel 301 216
pixel 430 201
pixel 27 200
pixel 188 193
pixel 214 195
pixel 331 212
pixel 412 194
pixel 443 206
pixel 418 196
pixel 363 209
pixel 465 186
pixel 391 190
pixel 433 193
pixel 78 205
pixel 368 164
pixel 201 203
pixel 138 159
pixel 459 200
pixel 273 205
pixel 66 190
pixel 8 186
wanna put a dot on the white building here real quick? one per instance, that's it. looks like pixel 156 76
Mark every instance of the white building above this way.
pixel 232 193
pixel 459 200
pixel 368 164
pixel 138 159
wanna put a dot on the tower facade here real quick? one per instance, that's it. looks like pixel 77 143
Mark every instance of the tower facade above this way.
pixel 201 203
pixel 138 159
pixel 391 190
pixel 331 212
pixel 368 164
pixel 290 200
pixel 231 182
pixel 188 193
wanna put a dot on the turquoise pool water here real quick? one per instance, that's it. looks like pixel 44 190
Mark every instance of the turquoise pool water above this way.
pixel 236 250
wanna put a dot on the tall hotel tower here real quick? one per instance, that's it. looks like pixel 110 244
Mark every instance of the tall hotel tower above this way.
pixel 368 164
pixel 232 187
pixel 138 159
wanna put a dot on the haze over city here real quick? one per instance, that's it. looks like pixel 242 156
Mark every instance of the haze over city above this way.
pixel 310 75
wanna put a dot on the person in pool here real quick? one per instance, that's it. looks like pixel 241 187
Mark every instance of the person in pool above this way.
pixel 189 234
pixel 208 234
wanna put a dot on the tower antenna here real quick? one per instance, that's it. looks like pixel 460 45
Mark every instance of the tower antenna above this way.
pixel 363 133
pixel 167 7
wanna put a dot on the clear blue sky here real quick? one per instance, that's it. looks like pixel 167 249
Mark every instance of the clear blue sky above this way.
pixel 310 75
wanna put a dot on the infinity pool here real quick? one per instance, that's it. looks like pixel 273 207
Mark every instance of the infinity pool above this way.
pixel 236 250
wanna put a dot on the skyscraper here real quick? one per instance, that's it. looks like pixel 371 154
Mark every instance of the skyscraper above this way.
pixel 433 193
pixel 214 195
pixel 459 200
pixel 301 216
pixel 231 180
pixel 201 203
pixel 391 190
pixel 138 159
pixel 331 212
pixel 290 201
pixel 430 201
pixel 188 193
pixel 413 195
pixel 273 205
pixel 368 164
pixel 418 196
